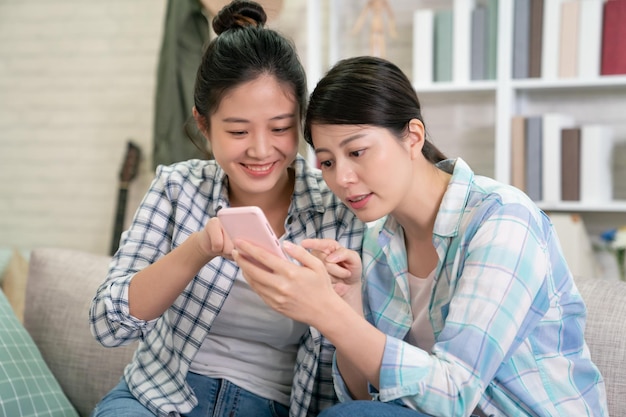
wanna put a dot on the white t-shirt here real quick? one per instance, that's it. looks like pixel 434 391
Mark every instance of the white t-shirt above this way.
pixel 421 333
pixel 251 345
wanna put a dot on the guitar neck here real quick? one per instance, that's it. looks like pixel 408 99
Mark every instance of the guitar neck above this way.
pixel 127 173
pixel 120 214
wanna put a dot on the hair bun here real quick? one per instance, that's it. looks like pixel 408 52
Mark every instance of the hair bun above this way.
pixel 239 14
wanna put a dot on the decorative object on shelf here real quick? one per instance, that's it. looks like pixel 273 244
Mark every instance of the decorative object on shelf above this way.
pixel 616 243
pixel 377 9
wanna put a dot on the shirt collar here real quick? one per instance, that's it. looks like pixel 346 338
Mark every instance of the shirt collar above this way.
pixel 455 199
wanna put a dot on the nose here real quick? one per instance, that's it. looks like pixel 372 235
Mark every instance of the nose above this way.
pixel 260 146
pixel 344 173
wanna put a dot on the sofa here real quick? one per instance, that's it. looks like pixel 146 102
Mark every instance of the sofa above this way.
pixel 61 283
pixel 69 371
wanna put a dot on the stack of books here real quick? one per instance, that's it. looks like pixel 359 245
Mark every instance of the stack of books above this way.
pixel 568 38
pixel 455 45
pixel 553 159
pixel 552 39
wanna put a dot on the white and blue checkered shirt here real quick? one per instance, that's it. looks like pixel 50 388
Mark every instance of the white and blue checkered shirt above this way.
pixel 180 201
pixel 507 316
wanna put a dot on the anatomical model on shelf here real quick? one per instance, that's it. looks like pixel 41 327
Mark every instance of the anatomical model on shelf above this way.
pixel 377 10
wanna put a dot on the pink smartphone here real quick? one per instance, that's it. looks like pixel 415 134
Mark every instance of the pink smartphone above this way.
pixel 249 223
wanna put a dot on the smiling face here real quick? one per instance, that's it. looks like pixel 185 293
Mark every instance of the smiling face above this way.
pixel 367 167
pixel 254 137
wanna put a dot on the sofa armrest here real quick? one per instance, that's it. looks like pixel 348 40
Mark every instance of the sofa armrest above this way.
pixel 605 334
pixel 61 284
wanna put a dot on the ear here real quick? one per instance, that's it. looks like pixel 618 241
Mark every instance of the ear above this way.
pixel 416 137
pixel 201 122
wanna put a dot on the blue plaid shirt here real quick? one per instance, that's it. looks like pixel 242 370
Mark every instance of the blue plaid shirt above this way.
pixel 507 317
pixel 179 202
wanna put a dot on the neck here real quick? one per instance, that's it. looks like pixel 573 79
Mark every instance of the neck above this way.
pixel 418 212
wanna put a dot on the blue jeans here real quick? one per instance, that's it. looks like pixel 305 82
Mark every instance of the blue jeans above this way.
pixel 216 398
pixel 370 409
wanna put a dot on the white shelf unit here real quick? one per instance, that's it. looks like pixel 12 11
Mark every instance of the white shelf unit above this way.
pixel 509 97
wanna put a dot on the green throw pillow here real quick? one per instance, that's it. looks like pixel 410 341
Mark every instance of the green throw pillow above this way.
pixel 27 387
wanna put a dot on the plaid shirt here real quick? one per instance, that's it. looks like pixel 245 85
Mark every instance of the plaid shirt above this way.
pixel 180 201
pixel 507 316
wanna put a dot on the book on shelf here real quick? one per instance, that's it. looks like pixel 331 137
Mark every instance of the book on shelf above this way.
pixel 613 59
pixel 518 152
pixel 534 158
pixel 492 39
pixel 589 38
pixel 443 46
pixel 568 40
pixel 570 164
pixel 478 54
pixel 423 42
pixel 462 40
pixel 551 34
pixel 552 125
pixel 536 38
pixel 596 177
pixel 521 38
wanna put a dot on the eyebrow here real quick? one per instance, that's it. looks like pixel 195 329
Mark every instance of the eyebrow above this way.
pixel 240 120
pixel 343 142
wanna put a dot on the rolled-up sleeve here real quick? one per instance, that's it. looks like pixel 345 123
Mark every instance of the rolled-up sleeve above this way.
pixel 148 239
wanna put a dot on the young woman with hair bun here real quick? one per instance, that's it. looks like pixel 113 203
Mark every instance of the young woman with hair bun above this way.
pixel 208 344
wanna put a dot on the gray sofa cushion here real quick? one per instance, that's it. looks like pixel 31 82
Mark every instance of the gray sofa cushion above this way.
pixel 605 334
pixel 61 284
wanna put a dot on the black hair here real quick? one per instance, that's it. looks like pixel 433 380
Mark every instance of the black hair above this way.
pixel 367 90
pixel 244 50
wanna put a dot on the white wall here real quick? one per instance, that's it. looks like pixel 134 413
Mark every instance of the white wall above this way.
pixel 76 82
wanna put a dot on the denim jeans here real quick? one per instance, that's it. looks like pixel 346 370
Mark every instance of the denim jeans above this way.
pixel 370 409
pixel 216 398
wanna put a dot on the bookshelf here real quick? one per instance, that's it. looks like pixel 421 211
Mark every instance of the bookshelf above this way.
pixel 493 103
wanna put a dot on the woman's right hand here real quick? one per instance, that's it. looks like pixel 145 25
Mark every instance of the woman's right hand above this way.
pixel 213 240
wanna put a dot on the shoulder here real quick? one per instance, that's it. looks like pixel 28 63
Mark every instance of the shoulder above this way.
pixel 490 198
pixel 187 179
pixel 189 170
pixel 477 198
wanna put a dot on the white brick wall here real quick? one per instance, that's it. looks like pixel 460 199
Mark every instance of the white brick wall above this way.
pixel 76 81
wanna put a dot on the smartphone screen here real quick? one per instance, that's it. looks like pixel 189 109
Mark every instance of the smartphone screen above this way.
pixel 249 223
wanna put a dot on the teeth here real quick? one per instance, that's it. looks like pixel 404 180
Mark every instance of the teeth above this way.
pixel 354 200
pixel 259 168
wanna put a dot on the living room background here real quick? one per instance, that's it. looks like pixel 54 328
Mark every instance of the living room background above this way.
pixel 77 81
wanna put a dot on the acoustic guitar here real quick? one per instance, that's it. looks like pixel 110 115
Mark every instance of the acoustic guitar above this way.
pixel 127 174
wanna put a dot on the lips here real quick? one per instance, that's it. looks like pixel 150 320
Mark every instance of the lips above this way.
pixel 358 202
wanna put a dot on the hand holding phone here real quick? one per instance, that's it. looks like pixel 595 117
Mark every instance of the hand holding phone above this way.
pixel 249 223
